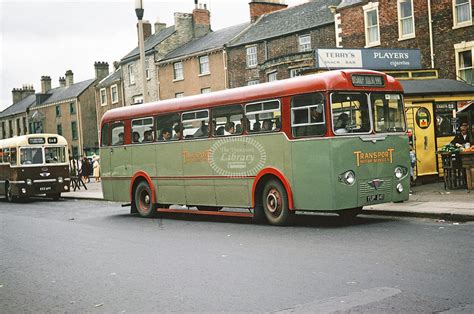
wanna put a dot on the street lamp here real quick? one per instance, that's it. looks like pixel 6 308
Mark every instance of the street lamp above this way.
pixel 139 11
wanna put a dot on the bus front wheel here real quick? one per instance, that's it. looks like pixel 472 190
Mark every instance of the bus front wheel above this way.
pixel 143 200
pixel 9 195
pixel 275 203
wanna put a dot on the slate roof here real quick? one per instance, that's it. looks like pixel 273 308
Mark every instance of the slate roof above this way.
pixel 111 78
pixel 66 92
pixel 150 44
pixel 348 3
pixel 211 41
pixel 436 87
pixel 291 20
pixel 19 107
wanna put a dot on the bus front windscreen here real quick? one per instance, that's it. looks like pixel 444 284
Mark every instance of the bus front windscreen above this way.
pixel 350 113
pixel 55 155
pixel 31 155
pixel 388 112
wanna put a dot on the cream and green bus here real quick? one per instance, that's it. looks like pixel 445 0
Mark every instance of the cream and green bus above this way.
pixel 330 142
pixel 35 164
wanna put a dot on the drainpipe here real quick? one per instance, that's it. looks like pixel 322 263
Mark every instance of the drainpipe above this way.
pixel 430 21
pixel 224 59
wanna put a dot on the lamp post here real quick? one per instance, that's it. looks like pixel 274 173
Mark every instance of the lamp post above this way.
pixel 139 11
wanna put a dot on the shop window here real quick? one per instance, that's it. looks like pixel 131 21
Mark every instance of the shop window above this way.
pixel 444 118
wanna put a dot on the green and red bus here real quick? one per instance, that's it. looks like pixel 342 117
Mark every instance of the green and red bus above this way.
pixel 329 142
pixel 34 164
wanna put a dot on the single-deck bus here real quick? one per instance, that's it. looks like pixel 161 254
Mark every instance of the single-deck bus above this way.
pixel 34 164
pixel 331 142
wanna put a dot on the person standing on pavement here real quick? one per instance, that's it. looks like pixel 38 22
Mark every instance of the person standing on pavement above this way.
pixel 96 167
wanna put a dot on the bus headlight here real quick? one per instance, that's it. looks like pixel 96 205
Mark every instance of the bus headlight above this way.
pixel 29 181
pixel 399 172
pixel 23 190
pixel 399 188
pixel 348 177
pixel 60 179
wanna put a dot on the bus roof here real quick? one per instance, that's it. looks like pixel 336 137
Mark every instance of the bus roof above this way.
pixel 22 140
pixel 331 80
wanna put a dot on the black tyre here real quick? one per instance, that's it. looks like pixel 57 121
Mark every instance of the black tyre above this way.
pixel 143 200
pixel 55 196
pixel 350 214
pixel 9 195
pixel 275 204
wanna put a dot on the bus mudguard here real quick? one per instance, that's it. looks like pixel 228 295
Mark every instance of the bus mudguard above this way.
pixel 143 175
pixel 276 173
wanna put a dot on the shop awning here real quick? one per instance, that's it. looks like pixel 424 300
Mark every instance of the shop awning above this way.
pixel 435 87
pixel 467 106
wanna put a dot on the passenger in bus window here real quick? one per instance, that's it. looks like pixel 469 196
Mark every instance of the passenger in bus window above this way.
pixel 166 134
pixel 120 139
pixel 256 127
pixel 136 137
pixel 177 132
pixel 148 136
pixel 317 114
pixel 229 128
pixel 341 123
pixel 267 125
pixel 203 130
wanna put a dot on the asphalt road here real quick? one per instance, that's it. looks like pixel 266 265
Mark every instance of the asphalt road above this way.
pixel 91 256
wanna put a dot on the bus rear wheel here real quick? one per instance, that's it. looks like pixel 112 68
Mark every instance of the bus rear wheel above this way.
pixel 143 200
pixel 275 204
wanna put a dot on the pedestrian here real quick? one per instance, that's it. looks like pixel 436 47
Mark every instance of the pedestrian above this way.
pixel 96 166
pixel 86 169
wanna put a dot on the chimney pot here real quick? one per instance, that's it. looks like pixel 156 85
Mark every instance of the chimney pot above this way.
pixel 101 70
pixel 69 78
pixel 45 84
pixel 62 81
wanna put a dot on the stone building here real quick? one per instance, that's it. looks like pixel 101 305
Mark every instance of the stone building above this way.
pixel 109 92
pixel 13 120
pixel 280 41
pixel 69 110
pixel 187 27
pixel 197 67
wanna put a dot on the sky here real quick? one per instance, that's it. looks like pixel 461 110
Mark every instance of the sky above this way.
pixel 39 37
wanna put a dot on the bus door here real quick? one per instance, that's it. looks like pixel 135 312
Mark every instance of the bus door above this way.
pixel 424 140
pixel 120 164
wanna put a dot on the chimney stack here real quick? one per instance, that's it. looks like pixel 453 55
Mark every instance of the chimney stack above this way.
pixel 21 93
pixel 45 84
pixel 62 81
pixel 261 7
pixel 159 26
pixel 69 78
pixel 146 30
pixel 101 70
pixel 116 65
pixel 202 20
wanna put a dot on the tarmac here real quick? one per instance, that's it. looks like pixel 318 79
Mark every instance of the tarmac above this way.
pixel 428 200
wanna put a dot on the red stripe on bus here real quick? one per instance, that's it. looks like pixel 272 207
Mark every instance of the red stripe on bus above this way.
pixel 181 178
pixel 281 177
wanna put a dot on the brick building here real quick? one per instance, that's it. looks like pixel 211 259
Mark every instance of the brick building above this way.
pixel 186 28
pixel 13 120
pixel 280 41
pixel 446 44
pixel 197 67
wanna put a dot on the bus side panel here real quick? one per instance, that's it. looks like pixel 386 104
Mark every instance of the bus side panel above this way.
pixel 4 171
pixel 143 159
pixel 199 180
pixel 106 172
pixel 169 183
pixel 120 163
pixel 277 151
pixel 312 174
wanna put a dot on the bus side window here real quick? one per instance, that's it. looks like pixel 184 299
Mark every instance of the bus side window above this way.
pixel 195 124
pixel 1 155
pixel 6 155
pixel 307 115
pixel 168 127
pixel 140 128
pixel 117 133
pixel 105 135
pixel 13 160
pixel 263 116
pixel 228 120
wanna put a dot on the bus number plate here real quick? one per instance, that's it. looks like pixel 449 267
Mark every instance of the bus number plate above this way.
pixel 375 197
pixel 45 188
